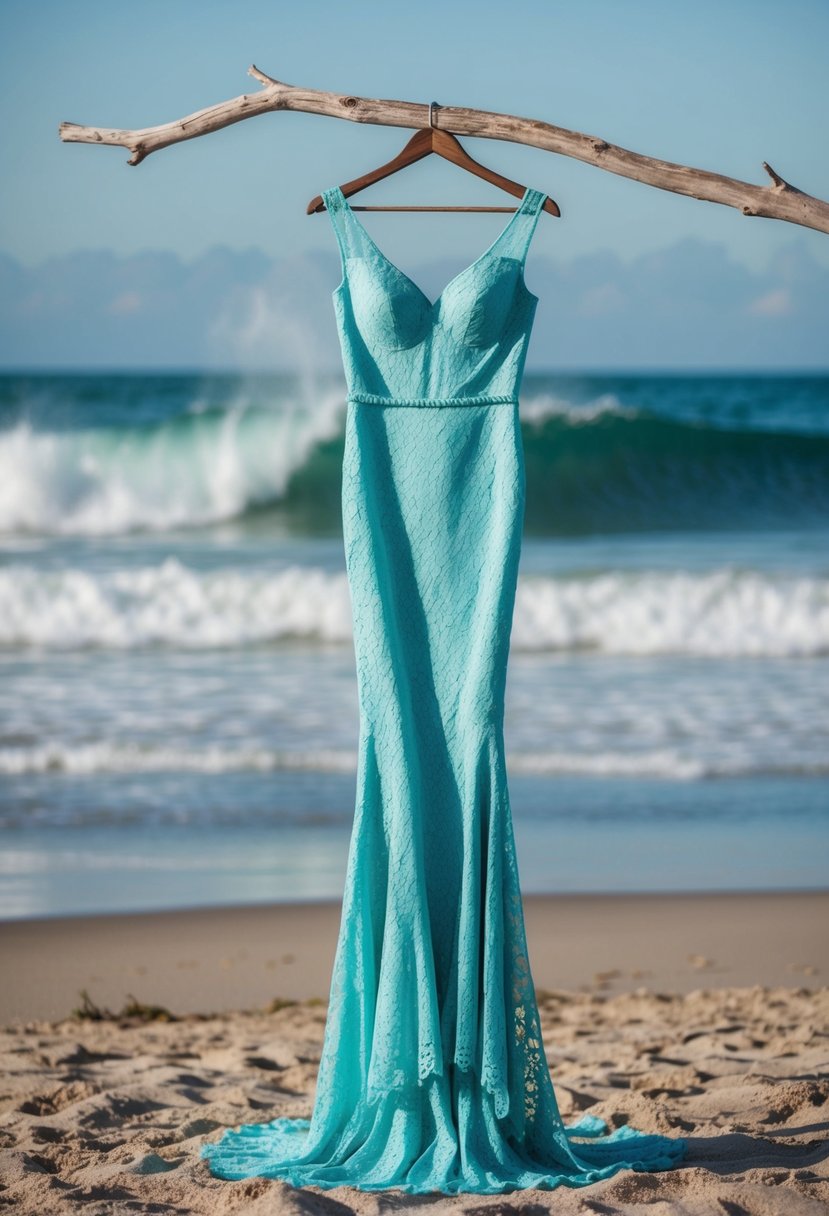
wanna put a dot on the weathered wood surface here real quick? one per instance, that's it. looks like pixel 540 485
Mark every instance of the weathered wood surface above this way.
pixel 779 200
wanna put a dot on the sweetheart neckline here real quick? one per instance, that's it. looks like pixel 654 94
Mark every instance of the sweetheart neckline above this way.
pixel 433 304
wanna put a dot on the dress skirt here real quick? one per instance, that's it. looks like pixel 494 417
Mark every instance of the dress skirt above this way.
pixel 433 1074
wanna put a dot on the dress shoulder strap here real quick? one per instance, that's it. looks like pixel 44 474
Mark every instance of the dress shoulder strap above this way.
pixel 516 237
pixel 349 235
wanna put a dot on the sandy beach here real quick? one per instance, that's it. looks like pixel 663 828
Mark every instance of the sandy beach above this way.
pixel 217 960
pixel 705 1016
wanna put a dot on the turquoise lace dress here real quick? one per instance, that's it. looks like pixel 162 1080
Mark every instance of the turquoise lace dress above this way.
pixel 433 1074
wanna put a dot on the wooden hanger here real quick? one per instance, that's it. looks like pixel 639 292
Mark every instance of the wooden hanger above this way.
pixel 426 140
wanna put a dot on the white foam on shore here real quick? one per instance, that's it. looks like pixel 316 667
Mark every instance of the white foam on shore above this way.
pixel 112 757
pixel 725 612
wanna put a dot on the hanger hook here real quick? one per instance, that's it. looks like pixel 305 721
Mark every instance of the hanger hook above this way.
pixel 431 103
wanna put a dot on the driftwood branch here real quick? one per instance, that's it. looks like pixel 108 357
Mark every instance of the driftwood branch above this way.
pixel 779 201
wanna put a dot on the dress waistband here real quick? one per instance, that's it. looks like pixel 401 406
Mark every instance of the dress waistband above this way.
pixel 480 399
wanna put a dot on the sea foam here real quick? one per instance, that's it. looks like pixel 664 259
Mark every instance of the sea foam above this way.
pixel 722 612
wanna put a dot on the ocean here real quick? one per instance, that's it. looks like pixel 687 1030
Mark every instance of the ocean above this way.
pixel 178 702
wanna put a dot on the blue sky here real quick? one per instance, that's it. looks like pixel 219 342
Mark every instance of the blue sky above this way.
pixel 720 86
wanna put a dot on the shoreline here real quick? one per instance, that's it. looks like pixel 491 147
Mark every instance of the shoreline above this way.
pixel 221 959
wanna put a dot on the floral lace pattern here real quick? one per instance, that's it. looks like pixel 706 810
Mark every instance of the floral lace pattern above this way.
pixel 433 1075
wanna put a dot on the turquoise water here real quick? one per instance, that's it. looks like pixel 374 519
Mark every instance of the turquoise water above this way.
pixel 178 715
